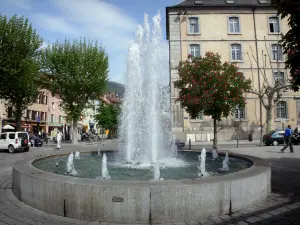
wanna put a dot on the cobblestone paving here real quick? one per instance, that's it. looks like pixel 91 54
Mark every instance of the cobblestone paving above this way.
pixel 279 208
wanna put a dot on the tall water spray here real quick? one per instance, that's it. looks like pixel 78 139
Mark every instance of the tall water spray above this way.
pixel 145 121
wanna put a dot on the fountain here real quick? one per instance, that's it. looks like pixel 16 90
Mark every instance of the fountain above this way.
pixel 201 167
pixel 105 174
pixel 144 111
pixel 214 154
pixel 156 172
pixel 148 181
pixel 77 155
pixel 70 165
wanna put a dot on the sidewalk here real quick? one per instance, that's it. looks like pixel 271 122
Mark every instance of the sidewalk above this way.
pixel 231 142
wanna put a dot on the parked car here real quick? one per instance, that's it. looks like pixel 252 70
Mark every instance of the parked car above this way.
pixel 276 137
pixel 180 143
pixel 35 141
pixel 14 141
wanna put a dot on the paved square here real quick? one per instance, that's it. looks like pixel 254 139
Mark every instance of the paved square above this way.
pixel 282 207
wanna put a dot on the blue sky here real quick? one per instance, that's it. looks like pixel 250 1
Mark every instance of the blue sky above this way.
pixel 112 22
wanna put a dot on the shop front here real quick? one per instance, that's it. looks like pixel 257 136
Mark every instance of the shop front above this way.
pixel 27 126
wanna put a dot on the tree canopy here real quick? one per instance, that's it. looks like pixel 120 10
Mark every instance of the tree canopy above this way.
pixel 78 72
pixel 209 86
pixel 108 117
pixel 19 68
pixel 291 40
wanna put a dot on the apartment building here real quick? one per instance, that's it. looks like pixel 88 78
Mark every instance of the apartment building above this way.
pixel 242 31
pixel 44 115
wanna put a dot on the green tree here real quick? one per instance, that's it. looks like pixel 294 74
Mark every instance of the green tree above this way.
pixel 19 68
pixel 209 86
pixel 291 40
pixel 107 118
pixel 78 72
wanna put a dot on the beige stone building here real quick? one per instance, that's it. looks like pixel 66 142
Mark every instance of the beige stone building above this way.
pixel 242 31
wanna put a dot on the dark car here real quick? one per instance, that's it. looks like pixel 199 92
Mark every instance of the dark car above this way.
pixel 35 141
pixel 180 143
pixel 276 137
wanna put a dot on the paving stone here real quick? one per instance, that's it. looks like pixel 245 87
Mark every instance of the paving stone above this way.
pixel 264 215
pixel 252 219
pixel 193 223
pixel 242 223
pixel 275 212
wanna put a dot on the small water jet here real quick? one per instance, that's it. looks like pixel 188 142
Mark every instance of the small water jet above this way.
pixel 201 167
pixel 214 154
pixel 70 165
pixel 77 155
pixel 105 174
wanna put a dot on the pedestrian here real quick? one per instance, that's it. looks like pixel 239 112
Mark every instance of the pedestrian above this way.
pixel 287 139
pixel 58 139
pixel 296 132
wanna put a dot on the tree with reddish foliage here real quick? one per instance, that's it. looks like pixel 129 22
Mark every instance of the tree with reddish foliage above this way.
pixel 209 86
pixel 291 40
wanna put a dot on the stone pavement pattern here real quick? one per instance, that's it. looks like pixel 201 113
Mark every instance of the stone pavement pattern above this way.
pixel 279 208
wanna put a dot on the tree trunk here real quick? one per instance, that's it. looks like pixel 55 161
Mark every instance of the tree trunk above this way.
pixel 268 119
pixel 215 143
pixel 18 115
pixel 74 132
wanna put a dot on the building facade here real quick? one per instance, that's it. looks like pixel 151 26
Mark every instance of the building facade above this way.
pixel 246 32
pixel 45 115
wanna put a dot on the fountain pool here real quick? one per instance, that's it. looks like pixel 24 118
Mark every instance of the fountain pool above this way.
pixel 184 166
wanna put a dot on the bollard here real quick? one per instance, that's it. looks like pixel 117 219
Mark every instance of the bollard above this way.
pixel 190 144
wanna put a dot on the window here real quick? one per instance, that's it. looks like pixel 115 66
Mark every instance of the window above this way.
pixel 200 116
pixel 281 110
pixel 195 50
pixel 277 52
pixel 9 112
pixel 239 113
pixel 42 116
pixel 236 52
pixel 46 100
pixel 33 114
pixel 11 136
pixel 52 118
pixel 60 119
pixel 234 25
pixel 3 136
pixel 28 113
pixel 53 105
pixel 279 76
pixel 193 25
pixel 274 25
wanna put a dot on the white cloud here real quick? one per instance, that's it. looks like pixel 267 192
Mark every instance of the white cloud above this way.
pixel 99 20
pixel 56 24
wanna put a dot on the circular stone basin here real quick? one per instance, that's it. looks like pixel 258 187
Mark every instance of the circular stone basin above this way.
pixel 124 200
pixel 184 166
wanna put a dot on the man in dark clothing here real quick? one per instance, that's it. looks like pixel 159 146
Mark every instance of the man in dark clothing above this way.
pixel 287 139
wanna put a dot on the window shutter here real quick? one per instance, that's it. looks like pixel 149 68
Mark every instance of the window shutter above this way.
pixel 287 109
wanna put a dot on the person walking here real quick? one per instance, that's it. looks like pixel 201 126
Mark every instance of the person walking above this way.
pixel 288 139
pixel 58 139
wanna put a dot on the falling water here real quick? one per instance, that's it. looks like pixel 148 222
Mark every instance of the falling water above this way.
pixel 105 174
pixel 70 165
pixel 145 121
pixel 156 172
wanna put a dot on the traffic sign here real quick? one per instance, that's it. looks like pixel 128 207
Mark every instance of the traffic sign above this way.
pixel 38 119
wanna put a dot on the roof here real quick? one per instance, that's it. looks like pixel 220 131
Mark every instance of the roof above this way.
pixel 213 4
pixel 203 3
